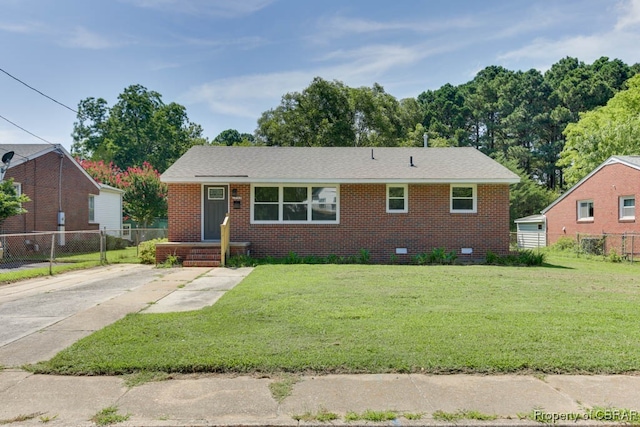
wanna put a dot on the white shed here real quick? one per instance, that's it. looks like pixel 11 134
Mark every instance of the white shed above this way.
pixel 108 209
pixel 532 231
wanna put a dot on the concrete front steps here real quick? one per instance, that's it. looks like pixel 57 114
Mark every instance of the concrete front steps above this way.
pixel 203 257
pixel 198 254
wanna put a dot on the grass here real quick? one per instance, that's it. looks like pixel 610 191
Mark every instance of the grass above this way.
pixel 322 416
pixel 20 418
pixel 462 415
pixel 370 415
pixel 283 387
pixel 570 316
pixel 139 378
pixel 108 416
pixel 73 262
pixel 47 418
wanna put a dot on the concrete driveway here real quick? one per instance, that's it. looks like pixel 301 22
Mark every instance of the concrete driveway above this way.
pixel 40 317
pixel 29 306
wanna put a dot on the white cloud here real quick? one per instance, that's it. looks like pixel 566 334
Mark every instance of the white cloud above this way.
pixel 224 8
pixel 244 43
pixel 83 38
pixel 250 95
pixel 22 28
pixel 630 15
pixel 341 26
pixel 620 42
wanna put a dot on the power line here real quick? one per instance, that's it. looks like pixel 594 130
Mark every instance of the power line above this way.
pixel 23 129
pixel 36 90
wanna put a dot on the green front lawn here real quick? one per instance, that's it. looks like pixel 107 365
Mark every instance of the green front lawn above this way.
pixel 69 263
pixel 571 316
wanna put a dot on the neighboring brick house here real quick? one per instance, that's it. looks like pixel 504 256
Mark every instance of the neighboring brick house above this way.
pixel 55 183
pixel 602 202
pixel 393 202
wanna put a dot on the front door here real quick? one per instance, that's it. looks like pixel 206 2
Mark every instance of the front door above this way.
pixel 216 206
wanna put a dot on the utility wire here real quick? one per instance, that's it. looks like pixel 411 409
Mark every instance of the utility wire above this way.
pixel 36 90
pixel 23 129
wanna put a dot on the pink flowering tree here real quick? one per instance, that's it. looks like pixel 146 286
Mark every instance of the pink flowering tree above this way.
pixel 145 197
pixel 104 173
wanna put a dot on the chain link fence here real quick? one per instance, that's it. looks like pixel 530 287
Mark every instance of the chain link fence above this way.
pixel 626 246
pixel 39 249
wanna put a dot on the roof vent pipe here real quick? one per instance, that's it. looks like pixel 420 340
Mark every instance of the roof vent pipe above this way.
pixel 372 158
pixel 425 137
pixel 411 161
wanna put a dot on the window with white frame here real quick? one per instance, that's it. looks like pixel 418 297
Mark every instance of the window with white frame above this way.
pixel 294 204
pixel 397 198
pixel 628 207
pixel 464 198
pixel 585 210
pixel 18 189
pixel 92 208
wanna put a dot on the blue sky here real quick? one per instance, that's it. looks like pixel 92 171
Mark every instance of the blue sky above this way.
pixel 227 61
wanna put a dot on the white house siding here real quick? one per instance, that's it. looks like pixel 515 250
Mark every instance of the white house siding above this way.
pixel 108 210
pixel 530 236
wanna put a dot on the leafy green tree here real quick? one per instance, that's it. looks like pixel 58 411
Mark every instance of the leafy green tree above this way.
pixel 526 197
pixel 145 197
pixel 320 115
pixel 445 114
pixel 610 130
pixel 331 114
pixel 233 137
pixel 139 128
pixel 378 120
pixel 10 201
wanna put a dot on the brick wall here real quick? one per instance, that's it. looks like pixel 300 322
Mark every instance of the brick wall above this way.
pixel 364 223
pixel 39 178
pixel 184 212
pixel 605 188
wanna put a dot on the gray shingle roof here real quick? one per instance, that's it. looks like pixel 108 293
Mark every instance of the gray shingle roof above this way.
pixel 25 152
pixel 336 165
pixel 634 160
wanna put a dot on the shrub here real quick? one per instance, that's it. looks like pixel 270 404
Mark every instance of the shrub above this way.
pixel 293 258
pixel 614 256
pixel 530 258
pixel 564 244
pixel 364 257
pixel 147 251
pixel 241 261
pixel 420 259
pixel 114 243
pixel 436 256
pixel 491 258
pixel 526 258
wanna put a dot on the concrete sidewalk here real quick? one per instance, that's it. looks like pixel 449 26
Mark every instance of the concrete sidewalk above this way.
pixel 218 400
pixel 205 400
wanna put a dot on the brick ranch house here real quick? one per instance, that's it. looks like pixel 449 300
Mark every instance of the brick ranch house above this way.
pixel 393 202
pixel 602 202
pixel 55 182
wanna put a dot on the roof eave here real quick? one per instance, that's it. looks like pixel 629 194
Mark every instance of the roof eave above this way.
pixel 248 180
pixel 610 161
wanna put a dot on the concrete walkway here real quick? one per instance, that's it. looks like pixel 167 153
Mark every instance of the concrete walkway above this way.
pixel 205 400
